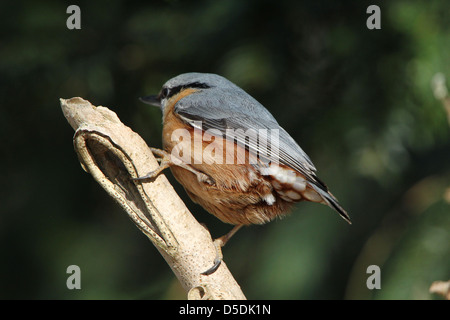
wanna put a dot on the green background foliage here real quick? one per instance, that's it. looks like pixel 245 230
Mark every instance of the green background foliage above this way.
pixel 358 101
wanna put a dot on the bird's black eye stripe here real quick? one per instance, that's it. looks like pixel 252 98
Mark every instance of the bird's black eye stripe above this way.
pixel 198 85
pixel 164 93
pixel 167 93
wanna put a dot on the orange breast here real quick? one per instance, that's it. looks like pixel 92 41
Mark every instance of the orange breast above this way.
pixel 242 193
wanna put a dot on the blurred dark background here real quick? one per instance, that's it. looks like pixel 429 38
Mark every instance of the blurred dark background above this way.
pixel 358 101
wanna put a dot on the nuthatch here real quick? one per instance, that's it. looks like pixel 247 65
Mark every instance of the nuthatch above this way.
pixel 231 155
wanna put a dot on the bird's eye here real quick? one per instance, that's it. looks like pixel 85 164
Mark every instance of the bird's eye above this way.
pixel 164 93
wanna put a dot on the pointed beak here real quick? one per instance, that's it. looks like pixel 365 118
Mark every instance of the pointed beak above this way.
pixel 151 100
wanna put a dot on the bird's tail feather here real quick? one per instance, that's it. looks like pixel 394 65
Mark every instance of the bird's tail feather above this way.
pixel 332 202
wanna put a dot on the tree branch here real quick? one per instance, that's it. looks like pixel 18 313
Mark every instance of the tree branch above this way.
pixel 442 288
pixel 113 154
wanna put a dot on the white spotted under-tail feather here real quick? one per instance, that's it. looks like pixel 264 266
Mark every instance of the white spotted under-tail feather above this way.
pixel 311 188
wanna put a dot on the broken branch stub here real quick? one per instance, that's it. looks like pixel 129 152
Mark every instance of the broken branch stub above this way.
pixel 113 154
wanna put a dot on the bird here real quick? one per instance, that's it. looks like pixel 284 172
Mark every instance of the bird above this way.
pixel 231 155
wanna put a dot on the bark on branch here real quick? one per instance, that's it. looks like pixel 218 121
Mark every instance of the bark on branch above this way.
pixel 112 153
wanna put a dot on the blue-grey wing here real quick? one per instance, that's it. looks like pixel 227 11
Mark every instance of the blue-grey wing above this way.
pixel 242 112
